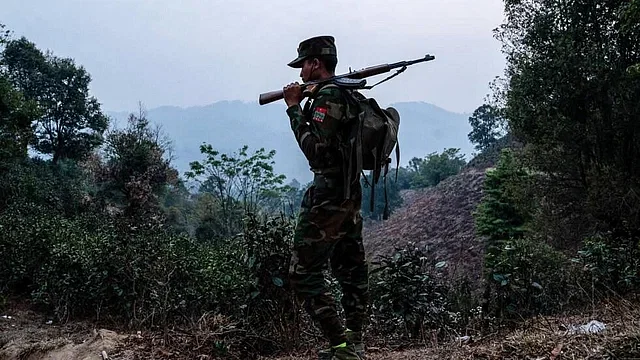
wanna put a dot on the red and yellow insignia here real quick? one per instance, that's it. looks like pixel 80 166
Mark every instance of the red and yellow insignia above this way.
pixel 319 114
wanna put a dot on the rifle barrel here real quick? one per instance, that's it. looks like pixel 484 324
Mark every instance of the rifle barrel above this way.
pixel 272 96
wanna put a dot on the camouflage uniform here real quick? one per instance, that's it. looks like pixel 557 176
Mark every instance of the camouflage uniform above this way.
pixel 329 229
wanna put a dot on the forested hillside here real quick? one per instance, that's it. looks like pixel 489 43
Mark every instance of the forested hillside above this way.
pixel 228 125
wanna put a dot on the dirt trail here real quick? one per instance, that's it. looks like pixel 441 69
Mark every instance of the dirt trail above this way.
pixel 26 335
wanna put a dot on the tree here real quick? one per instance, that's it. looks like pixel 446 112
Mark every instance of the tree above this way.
pixel 435 167
pixel 16 113
pixel 405 176
pixel 210 221
pixel 393 196
pixel 499 218
pixel 573 102
pixel 286 199
pixel 137 172
pixel 237 180
pixel 16 116
pixel 72 124
pixel 487 126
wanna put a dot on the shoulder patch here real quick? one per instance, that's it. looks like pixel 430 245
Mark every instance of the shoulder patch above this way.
pixel 319 113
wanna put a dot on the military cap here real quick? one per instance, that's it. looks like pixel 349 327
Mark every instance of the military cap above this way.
pixel 315 46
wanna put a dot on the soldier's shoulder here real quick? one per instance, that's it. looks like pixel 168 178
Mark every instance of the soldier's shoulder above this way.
pixel 331 92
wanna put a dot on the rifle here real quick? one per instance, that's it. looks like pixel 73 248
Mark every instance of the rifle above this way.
pixel 352 79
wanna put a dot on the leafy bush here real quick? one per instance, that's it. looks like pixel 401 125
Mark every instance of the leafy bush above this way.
pixel 499 216
pixel 613 264
pixel 530 278
pixel 272 310
pixel 62 188
pixel 435 167
pixel 139 273
pixel 408 295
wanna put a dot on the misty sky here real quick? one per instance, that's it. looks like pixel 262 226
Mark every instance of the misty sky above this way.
pixel 190 52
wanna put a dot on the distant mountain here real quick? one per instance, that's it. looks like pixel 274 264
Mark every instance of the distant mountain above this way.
pixel 228 125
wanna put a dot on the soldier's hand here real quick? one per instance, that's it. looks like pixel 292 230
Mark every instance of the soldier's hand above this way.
pixel 292 94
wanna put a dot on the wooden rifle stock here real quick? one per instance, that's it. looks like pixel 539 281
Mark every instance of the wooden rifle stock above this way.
pixel 269 97
pixel 276 95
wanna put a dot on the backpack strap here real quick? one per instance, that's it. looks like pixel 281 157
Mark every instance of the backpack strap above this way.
pixel 374 181
pixel 386 212
pixel 397 157
pixel 354 143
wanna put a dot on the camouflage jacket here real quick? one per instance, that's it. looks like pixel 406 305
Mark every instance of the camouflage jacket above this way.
pixel 319 129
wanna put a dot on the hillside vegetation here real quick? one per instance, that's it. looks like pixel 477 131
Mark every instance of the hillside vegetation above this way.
pixel 99 227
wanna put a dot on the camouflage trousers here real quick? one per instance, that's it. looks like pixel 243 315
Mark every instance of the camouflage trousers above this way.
pixel 330 232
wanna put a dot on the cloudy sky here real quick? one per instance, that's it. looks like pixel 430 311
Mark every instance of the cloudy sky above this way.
pixel 190 52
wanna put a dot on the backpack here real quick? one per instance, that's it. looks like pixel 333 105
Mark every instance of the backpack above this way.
pixel 373 136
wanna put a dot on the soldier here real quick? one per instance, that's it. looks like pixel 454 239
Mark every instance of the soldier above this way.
pixel 329 228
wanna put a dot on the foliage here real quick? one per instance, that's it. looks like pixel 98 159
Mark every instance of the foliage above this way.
pixel 4 34
pixel 530 278
pixel 392 198
pixel 136 170
pixel 490 155
pixel 16 116
pixel 487 126
pixel 572 100
pixel 132 272
pixel 613 263
pixel 499 216
pixel 178 207
pixel 71 122
pixel 292 197
pixel 272 309
pixel 140 273
pixel 209 219
pixel 405 176
pixel 434 168
pixel 500 220
pixel 61 189
pixel 238 182
pixel 408 295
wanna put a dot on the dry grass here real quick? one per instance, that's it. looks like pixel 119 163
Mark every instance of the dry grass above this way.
pixel 541 338
pixel 549 338
pixel 538 338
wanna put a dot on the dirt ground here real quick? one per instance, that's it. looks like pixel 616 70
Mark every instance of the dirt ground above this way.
pixel 27 335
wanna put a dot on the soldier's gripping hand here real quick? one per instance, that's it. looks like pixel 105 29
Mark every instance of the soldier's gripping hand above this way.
pixel 292 94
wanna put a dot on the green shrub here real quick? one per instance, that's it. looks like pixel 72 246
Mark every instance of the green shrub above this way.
pixel 612 264
pixel 271 309
pixel 408 296
pixel 26 234
pixel 62 188
pixel 530 278
pixel 110 267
